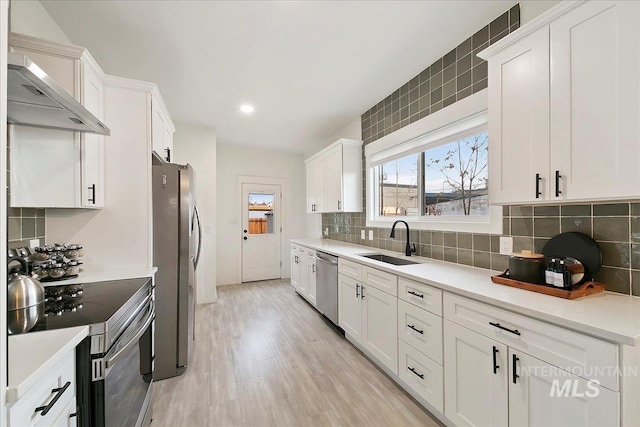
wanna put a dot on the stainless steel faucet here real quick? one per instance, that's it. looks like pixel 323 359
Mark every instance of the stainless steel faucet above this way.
pixel 409 249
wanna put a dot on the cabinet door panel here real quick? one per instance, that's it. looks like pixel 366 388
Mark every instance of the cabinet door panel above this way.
pixel 421 374
pixel 595 54
pixel 333 180
pixel 315 185
pixel 421 329
pixel 311 279
pixel 544 395
pixel 474 394
pixel 519 120
pixel 379 337
pixel 295 269
pixel 350 307
pixel 92 146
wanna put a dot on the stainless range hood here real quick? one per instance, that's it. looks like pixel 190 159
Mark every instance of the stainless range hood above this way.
pixel 35 99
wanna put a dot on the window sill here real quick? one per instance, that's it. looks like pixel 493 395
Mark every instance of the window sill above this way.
pixel 490 225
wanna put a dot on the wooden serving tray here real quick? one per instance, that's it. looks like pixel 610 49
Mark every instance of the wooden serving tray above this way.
pixel 587 288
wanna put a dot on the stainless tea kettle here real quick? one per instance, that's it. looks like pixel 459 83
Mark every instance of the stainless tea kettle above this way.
pixel 24 290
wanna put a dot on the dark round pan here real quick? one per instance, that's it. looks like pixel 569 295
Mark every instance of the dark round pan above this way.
pixel 575 245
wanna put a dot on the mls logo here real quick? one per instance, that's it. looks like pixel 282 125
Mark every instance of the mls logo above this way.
pixel 570 388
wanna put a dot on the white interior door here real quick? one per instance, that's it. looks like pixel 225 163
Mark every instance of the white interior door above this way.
pixel 261 231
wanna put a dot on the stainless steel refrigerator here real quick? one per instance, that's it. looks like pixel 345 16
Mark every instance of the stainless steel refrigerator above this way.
pixel 177 240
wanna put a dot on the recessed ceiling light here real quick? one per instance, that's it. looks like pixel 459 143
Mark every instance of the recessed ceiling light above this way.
pixel 247 109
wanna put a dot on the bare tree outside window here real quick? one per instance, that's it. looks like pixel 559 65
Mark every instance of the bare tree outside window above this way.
pixel 456 177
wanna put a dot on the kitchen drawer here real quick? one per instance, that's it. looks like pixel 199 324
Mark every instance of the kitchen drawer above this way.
pixel 350 268
pixel 386 282
pixel 425 378
pixel 583 355
pixel 421 329
pixel 23 412
pixel 295 248
pixel 422 295
pixel 310 252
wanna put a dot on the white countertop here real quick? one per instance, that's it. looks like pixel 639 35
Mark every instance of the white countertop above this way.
pixel 101 276
pixel 34 354
pixel 607 315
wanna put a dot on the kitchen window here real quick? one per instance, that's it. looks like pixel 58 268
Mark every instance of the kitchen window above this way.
pixel 437 180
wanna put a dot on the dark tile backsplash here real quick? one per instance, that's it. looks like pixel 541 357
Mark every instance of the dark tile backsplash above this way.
pixel 531 227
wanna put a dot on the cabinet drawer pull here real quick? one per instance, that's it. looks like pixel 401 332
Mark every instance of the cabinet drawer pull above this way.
pixel 495 361
pixel 416 294
pixel 415 373
pixel 44 410
pixel 558 176
pixel 313 268
pixel 499 326
pixel 93 194
pixel 357 291
pixel 168 150
pixel 416 329
pixel 361 291
pixel 515 363
pixel 538 193
pixel 339 205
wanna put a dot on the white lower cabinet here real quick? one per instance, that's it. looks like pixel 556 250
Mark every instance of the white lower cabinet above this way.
pixel 366 314
pixel 421 329
pixel 40 407
pixel 311 277
pixel 303 272
pixel 490 383
pixel 380 313
pixel 472 363
pixel 295 268
pixel 421 374
pixel 475 387
pixel 542 395
pixel 350 307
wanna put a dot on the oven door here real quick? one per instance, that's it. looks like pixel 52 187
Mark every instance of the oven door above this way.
pixel 123 397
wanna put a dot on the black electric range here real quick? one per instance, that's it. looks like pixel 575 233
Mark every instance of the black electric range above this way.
pixel 114 364
pixel 99 305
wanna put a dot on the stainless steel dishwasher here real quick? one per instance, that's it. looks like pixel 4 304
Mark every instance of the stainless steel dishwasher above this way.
pixel 327 285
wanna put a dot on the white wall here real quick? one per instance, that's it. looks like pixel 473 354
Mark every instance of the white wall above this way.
pixel 234 161
pixel 118 236
pixel 29 17
pixel 313 225
pixel 533 8
pixel 196 145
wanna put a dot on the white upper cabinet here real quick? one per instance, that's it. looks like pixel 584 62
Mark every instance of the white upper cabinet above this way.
pixel 315 185
pixel 595 75
pixel 57 168
pixel 334 178
pixel 564 106
pixel 162 128
pixel 92 145
pixel 519 119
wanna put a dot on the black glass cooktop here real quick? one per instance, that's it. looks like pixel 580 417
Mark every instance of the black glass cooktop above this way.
pixel 67 306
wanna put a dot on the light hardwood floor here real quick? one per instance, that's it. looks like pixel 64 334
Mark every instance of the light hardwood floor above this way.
pixel 264 357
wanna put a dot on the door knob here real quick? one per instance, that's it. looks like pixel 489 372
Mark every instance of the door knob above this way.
pixel 245 237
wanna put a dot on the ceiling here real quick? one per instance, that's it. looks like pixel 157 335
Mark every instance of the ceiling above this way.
pixel 308 67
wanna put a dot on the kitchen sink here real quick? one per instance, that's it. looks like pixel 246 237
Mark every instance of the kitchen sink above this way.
pixel 389 259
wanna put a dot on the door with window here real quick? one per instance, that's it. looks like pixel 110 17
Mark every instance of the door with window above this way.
pixel 261 230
